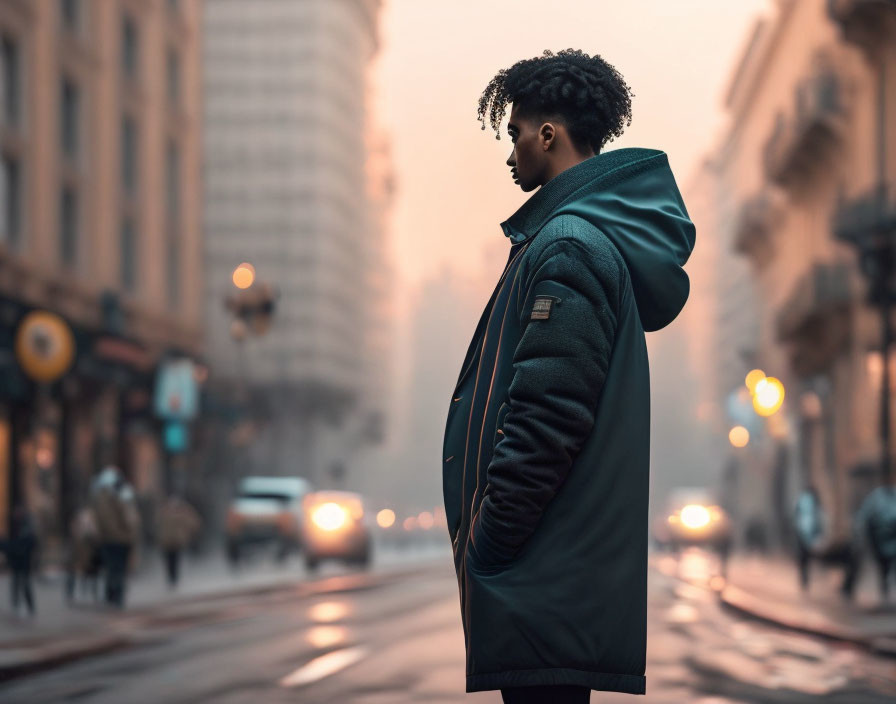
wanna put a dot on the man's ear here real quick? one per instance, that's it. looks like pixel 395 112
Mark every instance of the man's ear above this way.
pixel 547 134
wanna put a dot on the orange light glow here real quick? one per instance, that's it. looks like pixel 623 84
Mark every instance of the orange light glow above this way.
pixel 754 376
pixel 739 436
pixel 385 518
pixel 244 275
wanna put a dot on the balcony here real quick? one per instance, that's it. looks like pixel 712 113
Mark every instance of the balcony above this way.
pixel 868 223
pixel 755 223
pixel 798 142
pixel 814 321
pixel 868 24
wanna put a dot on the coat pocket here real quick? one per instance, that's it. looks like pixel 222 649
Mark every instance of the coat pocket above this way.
pixel 499 422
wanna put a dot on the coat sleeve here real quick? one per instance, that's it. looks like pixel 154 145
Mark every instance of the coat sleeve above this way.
pixel 569 316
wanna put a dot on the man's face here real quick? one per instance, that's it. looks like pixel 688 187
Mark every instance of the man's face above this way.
pixel 528 160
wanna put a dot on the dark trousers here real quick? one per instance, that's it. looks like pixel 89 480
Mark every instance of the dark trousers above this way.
pixel 21 587
pixel 172 565
pixel 547 694
pixel 115 560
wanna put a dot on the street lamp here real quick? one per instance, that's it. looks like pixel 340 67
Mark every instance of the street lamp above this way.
pixel 768 395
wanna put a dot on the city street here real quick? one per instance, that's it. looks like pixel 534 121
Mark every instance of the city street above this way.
pixel 395 636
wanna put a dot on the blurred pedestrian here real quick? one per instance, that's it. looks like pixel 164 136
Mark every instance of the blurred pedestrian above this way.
pixel 875 525
pixel 19 549
pixel 84 554
pixel 118 523
pixel 178 524
pixel 810 526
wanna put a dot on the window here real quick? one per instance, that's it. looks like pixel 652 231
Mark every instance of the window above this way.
pixel 129 46
pixel 172 73
pixel 10 201
pixel 172 169
pixel 10 81
pixel 69 13
pixel 128 254
pixel 129 154
pixel 68 118
pixel 68 226
pixel 172 270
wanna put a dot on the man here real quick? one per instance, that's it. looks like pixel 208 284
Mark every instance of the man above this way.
pixel 117 522
pixel 546 448
pixel 810 526
pixel 874 527
pixel 20 548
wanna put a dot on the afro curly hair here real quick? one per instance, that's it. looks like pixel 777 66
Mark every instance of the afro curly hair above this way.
pixel 585 92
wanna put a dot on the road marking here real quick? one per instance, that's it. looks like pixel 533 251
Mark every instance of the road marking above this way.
pixel 324 666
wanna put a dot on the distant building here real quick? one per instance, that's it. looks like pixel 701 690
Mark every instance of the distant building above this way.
pixel 99 224
pixel 297 183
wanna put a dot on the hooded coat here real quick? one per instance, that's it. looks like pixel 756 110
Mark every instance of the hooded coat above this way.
pixel 546 447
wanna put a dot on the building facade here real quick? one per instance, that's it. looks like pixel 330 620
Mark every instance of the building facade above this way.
pixel 99 238
pixel 808 140
pixel 297 184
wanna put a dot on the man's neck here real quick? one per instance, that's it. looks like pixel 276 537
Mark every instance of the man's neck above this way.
pixel 564 163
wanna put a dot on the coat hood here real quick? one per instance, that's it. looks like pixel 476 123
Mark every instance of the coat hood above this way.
pixel 630 195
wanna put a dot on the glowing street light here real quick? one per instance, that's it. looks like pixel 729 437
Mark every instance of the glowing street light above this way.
pixel 768 396
pixel 754 376
pixel 244 275
pixel 739 436
pixel 385 518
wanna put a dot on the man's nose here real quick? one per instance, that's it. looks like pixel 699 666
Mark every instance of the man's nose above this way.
pixel 510 160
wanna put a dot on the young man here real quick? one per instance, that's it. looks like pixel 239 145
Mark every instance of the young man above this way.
pixel 546 449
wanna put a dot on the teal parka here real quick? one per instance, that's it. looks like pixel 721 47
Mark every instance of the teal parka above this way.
pixel 546 448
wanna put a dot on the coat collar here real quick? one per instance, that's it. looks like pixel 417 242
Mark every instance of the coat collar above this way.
pixel 609 167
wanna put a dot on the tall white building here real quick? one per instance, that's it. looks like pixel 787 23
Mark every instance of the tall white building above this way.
pixel 288 188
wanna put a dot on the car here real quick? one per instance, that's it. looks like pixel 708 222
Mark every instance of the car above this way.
pixel 336 525
pixel 692 517
pixel 266 510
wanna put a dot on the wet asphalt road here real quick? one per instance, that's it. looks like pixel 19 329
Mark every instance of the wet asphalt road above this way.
pixel 400 640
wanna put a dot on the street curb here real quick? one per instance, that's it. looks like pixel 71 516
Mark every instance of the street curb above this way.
pixel 809 620
pixel 27 661
pixel 18 662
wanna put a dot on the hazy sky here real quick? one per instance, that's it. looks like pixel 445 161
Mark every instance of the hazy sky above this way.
pixel 454 188
pixel 436 58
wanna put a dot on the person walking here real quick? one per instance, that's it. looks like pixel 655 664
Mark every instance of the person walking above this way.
pixel 874 527
pixel 178 524
pixel 546 446
pixel 810 526
pixel 83 559
pixel 118 530
pixel 19 549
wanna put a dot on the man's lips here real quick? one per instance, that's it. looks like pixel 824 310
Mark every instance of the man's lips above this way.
pixel 515 177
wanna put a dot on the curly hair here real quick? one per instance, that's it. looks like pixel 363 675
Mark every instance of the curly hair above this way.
pixel 587 93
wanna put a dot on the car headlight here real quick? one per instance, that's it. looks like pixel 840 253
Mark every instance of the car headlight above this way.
pixel 695 516
pixel 329 516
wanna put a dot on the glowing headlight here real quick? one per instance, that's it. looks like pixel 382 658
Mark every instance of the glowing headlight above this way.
pixel 329 516
pixel 695 516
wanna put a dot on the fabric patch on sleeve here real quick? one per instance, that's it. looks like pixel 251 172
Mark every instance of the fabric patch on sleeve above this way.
pixel 541 308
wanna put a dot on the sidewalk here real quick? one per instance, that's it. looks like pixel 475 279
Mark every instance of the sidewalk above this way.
pixel 767 588
pixel 61 632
